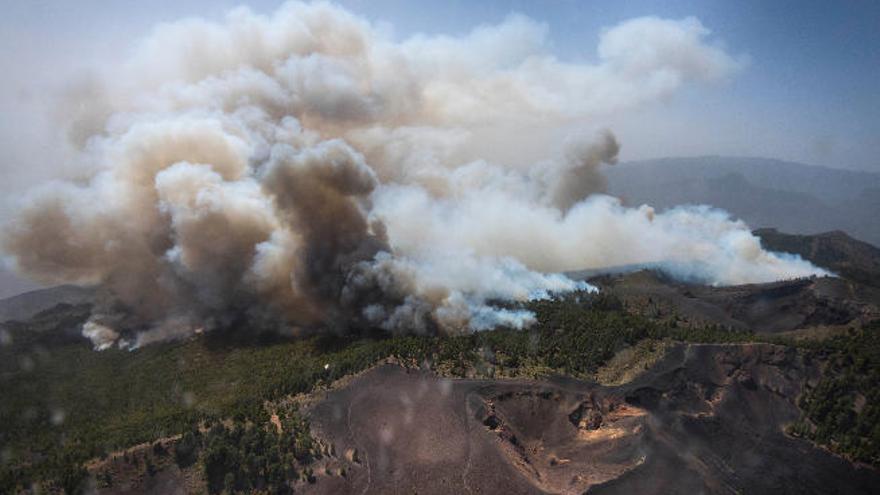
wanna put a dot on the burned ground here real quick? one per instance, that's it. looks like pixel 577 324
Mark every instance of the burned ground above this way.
pixel 705 419
pixel 692 402
pixel 851 298
pixel 763 308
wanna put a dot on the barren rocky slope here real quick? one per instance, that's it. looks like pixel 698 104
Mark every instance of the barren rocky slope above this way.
pixel 706 419
pixel 765 388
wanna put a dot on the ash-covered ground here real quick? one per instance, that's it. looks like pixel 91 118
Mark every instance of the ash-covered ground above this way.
pixel 651 385
pixel 705 419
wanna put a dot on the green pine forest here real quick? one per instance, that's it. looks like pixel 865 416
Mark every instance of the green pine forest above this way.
pixel 64 404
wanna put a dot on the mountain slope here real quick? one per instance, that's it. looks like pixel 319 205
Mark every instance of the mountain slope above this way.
pixel 849 300
pixel 835 251
pixel 24 306
pixel 792 197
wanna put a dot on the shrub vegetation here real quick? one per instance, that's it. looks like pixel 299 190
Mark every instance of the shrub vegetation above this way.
pixel 63 403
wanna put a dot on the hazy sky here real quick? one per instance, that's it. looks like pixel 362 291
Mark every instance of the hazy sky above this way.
pixel 808 92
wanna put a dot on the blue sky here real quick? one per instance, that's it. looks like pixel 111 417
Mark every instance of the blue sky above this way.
pixel 809 93
pixel 812 82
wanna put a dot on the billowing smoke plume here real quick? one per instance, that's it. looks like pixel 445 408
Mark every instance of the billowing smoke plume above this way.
pixel 305 170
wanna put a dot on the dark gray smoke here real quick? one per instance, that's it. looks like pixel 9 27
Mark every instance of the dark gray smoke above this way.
pixel 304 169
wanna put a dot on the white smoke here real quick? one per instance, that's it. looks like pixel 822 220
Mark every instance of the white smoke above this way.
pixel 102 336
pixel 304 169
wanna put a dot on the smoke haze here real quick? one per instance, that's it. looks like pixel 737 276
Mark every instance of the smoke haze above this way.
pixel 305 170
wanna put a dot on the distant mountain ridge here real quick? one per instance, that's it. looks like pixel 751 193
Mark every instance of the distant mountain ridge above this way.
pixel 793 197
pixel 24 306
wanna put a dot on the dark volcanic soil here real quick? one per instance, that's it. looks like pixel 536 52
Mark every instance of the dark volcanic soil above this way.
pixel 764 308
pixel 705 419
